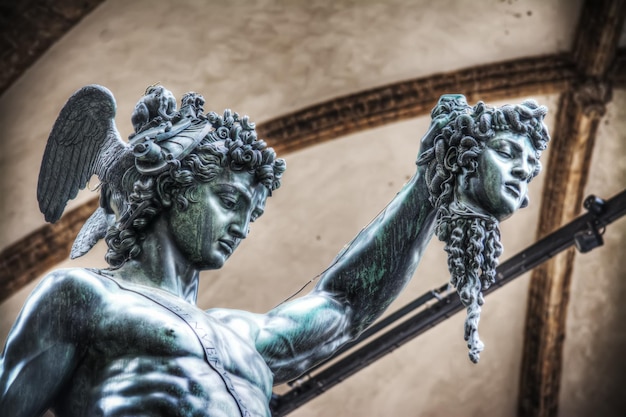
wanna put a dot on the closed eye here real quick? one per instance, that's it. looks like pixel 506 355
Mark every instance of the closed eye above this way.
pixel 228 202
pixel 536 168
pixel 503 149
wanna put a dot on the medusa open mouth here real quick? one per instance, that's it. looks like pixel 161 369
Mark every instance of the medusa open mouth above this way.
pixel 513 188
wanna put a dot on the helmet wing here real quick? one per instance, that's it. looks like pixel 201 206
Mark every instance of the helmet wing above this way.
pixel 84 141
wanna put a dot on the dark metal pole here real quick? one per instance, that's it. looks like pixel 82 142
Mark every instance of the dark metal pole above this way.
pixel 585 232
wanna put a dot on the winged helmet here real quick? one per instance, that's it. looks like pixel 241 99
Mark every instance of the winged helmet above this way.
pixel 84 141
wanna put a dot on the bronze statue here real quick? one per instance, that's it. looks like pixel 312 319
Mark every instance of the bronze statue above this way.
pixel 479 165
pixel 177 199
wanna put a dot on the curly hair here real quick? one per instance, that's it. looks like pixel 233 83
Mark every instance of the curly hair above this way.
pixel 472 240
pixel 232 144
pixel 458 144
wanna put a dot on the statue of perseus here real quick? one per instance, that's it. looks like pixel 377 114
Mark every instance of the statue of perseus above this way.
pixel 178 198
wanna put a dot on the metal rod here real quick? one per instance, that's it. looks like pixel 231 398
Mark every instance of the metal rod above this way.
pixel 600 214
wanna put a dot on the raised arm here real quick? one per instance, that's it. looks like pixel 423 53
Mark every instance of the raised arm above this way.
pixel 41 350
pixel 374 268
pixel 478 162
pixel 358 286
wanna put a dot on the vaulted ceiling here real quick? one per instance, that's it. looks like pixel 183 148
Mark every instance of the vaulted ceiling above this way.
pixel 344 91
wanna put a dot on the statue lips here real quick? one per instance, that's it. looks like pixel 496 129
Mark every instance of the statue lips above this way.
pixel 513 188
pixel 228 245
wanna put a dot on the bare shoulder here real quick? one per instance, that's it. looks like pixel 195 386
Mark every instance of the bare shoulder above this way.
pixel 71 297
pixel 71 286
pixel 82 278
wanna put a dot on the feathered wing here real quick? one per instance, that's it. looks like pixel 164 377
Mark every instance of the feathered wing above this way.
pixel 93 230
pixel 84 141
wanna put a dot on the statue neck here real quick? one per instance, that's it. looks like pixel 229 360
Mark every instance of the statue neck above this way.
pixel 161 265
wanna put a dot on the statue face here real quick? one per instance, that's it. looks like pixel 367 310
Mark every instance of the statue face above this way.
pixel 210 229
pixel 499 186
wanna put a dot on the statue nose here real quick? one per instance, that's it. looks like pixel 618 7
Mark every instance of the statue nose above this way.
pixel 239 230
pixel 522 170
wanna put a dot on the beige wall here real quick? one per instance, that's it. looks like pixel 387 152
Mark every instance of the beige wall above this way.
pixel 274 57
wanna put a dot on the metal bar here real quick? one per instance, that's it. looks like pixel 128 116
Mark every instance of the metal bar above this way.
pixel 600 214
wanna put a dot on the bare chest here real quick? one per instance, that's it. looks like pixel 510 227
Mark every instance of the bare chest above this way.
pixel 137 340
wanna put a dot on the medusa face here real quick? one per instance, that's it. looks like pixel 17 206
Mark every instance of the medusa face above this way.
pixel 499 186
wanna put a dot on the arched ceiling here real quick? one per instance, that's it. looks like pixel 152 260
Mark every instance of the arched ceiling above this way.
pixel 366 73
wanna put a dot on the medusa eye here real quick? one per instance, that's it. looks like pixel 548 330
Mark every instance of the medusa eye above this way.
pixel 503 150
pixel 536 168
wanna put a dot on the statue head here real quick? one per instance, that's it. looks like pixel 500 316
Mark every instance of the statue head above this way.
pixel 478 162
pixel 171 166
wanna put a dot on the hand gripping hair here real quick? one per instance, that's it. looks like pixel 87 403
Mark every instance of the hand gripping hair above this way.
pixel 171 151
pixel 456 139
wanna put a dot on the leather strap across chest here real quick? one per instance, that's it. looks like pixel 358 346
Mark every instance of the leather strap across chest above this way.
pixel 204 334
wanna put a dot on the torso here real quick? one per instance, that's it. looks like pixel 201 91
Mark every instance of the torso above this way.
pixel 141 357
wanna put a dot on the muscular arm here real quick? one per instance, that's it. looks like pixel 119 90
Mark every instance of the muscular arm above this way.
pixel 376 266
pixel 41 350
pixel 359 285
